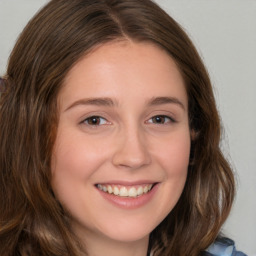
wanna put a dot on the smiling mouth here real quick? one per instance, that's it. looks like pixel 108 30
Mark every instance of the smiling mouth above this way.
pixel 125 191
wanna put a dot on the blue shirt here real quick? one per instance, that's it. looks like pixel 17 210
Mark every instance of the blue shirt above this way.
pixel 223 247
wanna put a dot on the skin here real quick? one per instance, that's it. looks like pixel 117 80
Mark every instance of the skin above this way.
pixel 127 143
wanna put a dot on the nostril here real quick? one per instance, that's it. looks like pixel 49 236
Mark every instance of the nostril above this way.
pixel 131 157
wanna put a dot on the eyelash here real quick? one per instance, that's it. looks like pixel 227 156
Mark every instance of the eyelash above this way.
pixel 163 119
pixel 98 120
pixel 94 119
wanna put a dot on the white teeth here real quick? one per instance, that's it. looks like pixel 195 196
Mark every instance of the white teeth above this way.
pixel 132 192
pixel 140 191
pixel 110 190
pixel 145 190
pixel 116 191
pixel 124 191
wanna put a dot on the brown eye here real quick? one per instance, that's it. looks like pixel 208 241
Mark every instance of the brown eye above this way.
pixel 95 120
pixel 161 119
pixel 158 119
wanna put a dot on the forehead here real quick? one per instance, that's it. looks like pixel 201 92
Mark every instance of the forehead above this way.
pixel 134 69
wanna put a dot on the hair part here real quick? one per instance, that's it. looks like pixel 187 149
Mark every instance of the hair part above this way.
pixel 32 220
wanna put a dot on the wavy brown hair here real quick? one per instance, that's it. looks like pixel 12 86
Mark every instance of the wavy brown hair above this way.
pixel 32 222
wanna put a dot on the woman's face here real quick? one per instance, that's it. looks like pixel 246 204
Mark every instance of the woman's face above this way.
pixel 123 141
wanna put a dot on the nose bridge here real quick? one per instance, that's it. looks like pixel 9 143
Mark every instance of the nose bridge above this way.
pixel 132 151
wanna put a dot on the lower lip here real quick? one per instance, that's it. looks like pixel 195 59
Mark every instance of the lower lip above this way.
pixel 130 202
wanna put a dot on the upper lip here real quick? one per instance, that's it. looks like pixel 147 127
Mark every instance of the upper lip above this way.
pixel 127 183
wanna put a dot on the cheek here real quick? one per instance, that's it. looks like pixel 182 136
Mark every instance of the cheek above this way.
pixel 173 154
pixel 75 153
pixel 73 163
pixel 174 160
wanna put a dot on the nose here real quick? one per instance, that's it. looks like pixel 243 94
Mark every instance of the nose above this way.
pixel 131 150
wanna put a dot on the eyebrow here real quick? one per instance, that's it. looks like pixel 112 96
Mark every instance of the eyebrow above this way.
pixel 93 101
pixel 165 100
pixel 108 102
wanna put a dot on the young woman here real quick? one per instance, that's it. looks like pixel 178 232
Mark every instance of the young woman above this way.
pixel 110 137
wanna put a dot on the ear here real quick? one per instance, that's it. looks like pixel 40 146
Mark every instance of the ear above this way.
pixel 193 135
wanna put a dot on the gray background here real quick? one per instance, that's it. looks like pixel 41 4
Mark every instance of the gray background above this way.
pixel 224 32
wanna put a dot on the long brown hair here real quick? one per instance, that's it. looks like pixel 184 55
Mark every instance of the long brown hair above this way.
pixel 32 222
